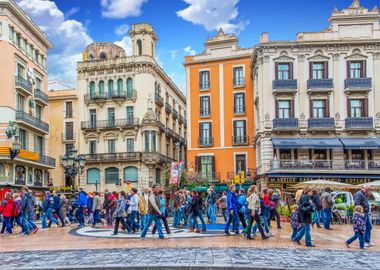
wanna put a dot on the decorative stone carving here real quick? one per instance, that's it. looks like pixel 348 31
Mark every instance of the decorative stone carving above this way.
pixel 318 57
pixel 355 31
pixel 356 56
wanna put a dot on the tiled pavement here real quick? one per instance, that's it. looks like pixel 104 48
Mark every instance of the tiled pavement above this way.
pixel 192 258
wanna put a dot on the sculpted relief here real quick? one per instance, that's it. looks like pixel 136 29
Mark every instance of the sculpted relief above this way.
pixel 355 31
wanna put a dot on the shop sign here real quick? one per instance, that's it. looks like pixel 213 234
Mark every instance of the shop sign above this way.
pixel 62 189
pixel 295 180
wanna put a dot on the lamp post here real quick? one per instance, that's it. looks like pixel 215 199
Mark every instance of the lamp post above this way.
pixel 178 148
pixel 73 165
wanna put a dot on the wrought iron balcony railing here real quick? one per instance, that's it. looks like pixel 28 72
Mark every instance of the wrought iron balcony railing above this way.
pixel 109 124
pixel 240 140
pixel 205 141
pixel 32 121
pixel 39 94
pixel 358 83
pixel 321 123
pixel 324 84
pixel 24 84
pixel 359 123
pixel 334 164
pixel 285 123
pixel 284 85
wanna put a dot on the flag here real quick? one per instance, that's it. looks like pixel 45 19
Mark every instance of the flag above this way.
pixel 174 173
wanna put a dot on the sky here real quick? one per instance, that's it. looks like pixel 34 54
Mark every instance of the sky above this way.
pixel 181 25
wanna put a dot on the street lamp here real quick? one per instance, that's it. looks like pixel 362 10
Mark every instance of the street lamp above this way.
pixel 73 165
pixel 178 148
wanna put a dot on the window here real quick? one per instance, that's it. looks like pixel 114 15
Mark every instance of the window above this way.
pixel 357 154
pixel 103 55
pixel 130 114
pixel 283 109
pixel 319 70
pixel 205 133
pixel 112 175
pixel 23 139
pixel 92 118
pixel 129 88
pixel 39 144
pixel 238 76
pixel 119 86
pixel 150 141
pixel 131 174
pixel 69 131
pixel 240 131
pixel 207 166
pixel 285 154
pixel 358 108
pixel 20 102
pixel 356 69
pixel 93 176
pixel 110 88
pixel 69 109
pixel 69 147
pixel 18 41
pixel 20 70
pixel 111 146
pixel 320 154
pixel 101 88
pixel 204 80
pixel 284 71
pixel 205 106
pixel 240 163
pixel 92 147
pixel 139 47
pixel 39 112
pixel 130 145
pixel 239 103
pixel 111 117
pixel 92 90
pixel 319 108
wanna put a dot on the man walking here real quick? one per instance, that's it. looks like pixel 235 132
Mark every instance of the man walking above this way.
pixel 27 212
pixel 154 212
pixel 96 208
pixel 361 198
pixel 211 203
pixel 232 209
pixel 143 208
pixel 134 206
pixel 327 205
pixel 57 207
pixel 48 207
pixel 82 203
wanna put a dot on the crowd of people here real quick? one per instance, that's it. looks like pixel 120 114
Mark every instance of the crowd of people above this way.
pixel 244 212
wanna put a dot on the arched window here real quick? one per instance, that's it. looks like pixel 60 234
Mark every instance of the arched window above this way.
pixel 119 86
pixel 93 176
pixel 110 88
pixel 139 46
pixel 131 174
pixel 129 88
pixel 101 88
pixel 112 175
pixel 92 89
pixel 103 55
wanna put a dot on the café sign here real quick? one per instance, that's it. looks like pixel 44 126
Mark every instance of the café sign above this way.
pixel 295 180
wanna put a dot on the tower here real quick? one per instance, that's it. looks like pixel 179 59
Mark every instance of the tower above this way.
pixel 143 40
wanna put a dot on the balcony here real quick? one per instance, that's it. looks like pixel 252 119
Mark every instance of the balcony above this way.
pixel 180 119
pixel 205 142
pixel 168 107
pixel 97 98
pixel 240 140
pixel 112 157
pixel 151 158
pixel 175 114
pixel 239 109
pixel 239 82
pixel 110 124
pixel 359 123
pixel 357 84
pixel 67 137
pixel 204 85
pixel 131 95
pixel 165 159
pixel 37 184
pixel 211 177
pixel 41 96
pixel 20 182
pixel 320 85
pixel 325 165
pixel 48 161
pixel 182 141
pixel 204 112
pixel 285 124
pixel 23 85
pixel 159 100
pixel 284 86
pixel 321 124
pixel 31 121
pixel 161 126
pixel 169 132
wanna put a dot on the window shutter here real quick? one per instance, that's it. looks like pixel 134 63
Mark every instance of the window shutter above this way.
pixel 348 69
pixel 327 108
pixel 311 108
pixel 200 130
pixel 291 75
pixel 234 126
pixel 365 107
pixel 243 102
pixel 209 106
pixel 213 165
pixel 200 78
pixel 210 129
pixel 348 108
pixel 276 71
pixel 276 105
pixel 310 70
pixel 364 69
pixel 196 162
pixel 245 127
pixel 326 70
pixel 292 108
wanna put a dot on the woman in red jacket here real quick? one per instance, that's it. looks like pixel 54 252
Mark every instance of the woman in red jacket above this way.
pixel 6 209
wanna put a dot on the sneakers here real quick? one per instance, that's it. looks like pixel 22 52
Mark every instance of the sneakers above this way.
pixel 35 230
pixel 370 244
pixel 311 245
pixel 347 245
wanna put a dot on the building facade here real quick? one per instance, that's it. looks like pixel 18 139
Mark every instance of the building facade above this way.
pixel 132 116
pixel 317 102
pixel 24 100
pixel 221 115
pixel 64 128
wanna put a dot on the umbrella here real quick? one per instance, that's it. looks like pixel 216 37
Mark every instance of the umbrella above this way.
pixel 373 185
pixel 321 184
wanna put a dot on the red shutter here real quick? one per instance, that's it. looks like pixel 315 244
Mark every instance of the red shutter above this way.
pixel 311 108
pixel 291 75
pixel 292 108
pixel 326 70
pixel 276 71
pixel 327 108
pixel 276 105
pixel 348 69
pixel 348 108
pixel 365 107
pixel 310 70
pixel 364 69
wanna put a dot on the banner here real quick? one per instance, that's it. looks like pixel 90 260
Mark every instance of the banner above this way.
pixel 174 173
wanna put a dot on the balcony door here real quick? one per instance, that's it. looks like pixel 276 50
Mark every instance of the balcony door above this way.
pixel 318 70
pixel 357 108
pixel 205 132
pixel 92 147
pixel 239 131
pixel 356 69
pixel 39 145
pixel 92 118
pixel 111 117
pixel 69 130
pixel 319 108
pixel 20 102
pixel 284 71
pixel 130 145
pixel 284 109
pixel 130 114
pixel 206 166
pixel 111 146
pixel 238 76
pixel 69 109
pixel 240 163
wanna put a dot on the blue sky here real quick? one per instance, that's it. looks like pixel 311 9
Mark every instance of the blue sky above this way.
pixel 182 25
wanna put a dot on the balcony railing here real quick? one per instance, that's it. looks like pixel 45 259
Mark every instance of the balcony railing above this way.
pixel 239 82
pixel 335 164
pixel 45 160
pixel 205 141
pixel 131 95
pixel 285 123
pixel 168 107
pixel 23 84
pixel 38 94
pixel 359 123
pixel 169 132
pixel 161 126
pixel 205 112
pixel 111 157
pixel 240 140
pixel 180 119
pixel 358 83
pixel 321 123
pixel 109 124
pixel 323 84
pixel 31 120
pixel 159 100
pixel 239 109
pixel 165 159
pixel 175 114
pixel 284 85
pixel 20 182
pixel 212 177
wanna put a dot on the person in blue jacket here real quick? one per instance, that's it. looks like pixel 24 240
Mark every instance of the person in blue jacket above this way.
pixel 82 203
pixel 232 210
pixel 48 207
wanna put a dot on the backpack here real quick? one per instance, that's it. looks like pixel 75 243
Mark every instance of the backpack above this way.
pixel 16 208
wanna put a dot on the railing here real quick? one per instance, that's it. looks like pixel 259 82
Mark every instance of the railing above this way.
pixel 240 140
pixel 175 113
pixel 239 82
pixel 38 94
pixel 115 123
pixel 169 132
pixel 31 120
pixel 205 141
pixel 182 140
pixel 166 159
pixel 358 83
pixel 131 95
pixel 204 85
pixel 161 126
pixel 239 109
pixel 96 97
pixel 212 177
pixel 320 84
pixel 23 83
pixel 205 112
pixel 159 100
pixel 321 123
pixel 168 107
pixel 335 164
pixel 285 123
pixel 180 119
pixel 231 175
pixel 49 161
pixel 359 123
pixel 104 157
pixel 284 84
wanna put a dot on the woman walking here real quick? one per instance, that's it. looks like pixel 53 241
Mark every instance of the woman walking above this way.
pixel 64 209
pixel 120 213
pixel 254 212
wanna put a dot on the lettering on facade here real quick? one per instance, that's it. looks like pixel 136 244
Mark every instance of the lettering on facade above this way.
pixel 293 180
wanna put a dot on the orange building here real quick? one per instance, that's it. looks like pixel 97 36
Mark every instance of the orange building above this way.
pixel 221 111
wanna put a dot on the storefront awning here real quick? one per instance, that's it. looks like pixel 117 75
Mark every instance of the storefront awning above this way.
pixel 307 143
pixel 361 143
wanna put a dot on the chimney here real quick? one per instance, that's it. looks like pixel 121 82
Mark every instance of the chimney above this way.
pixel 264 37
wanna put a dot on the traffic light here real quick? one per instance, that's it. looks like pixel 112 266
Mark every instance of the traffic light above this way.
pixel 13 153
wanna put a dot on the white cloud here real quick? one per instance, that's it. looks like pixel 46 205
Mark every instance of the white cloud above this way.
pixel 71 12
pixel 126 44
pixel 69 38
pixel 173 54
pixel 214 14
pixel 122 29
pixel 121 8
pixel 189 50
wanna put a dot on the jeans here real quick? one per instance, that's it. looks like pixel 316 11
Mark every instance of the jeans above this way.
pixel 234 219
pixel 177 217
pixel 109 216
pixel 224 214
pixel 317 217
pixel 242 220
pixel 368 228
pixel 7 224
pixel 58 212
pixel 305 230
pixel 193 220
pixel 142 221
pixel 132 220
pixel 294 233
pixel 121 220
pixel 166 225
pixel 211 212
pixel 255 218
pixel 157 221
pixel 80 214
pixel 48 215
pixel 357 235
pixel 327 215
pixel 96 218
pixel 274 214
pixel 183 215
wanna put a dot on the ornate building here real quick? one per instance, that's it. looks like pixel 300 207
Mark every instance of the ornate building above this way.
pixel 24 100
pixel 317 102
pixel 133 117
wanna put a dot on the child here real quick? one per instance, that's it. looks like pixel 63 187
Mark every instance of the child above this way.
pixel 359 226
pixel 294 222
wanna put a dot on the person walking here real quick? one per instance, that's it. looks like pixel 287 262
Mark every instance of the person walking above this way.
pixel 82 204
pixel 90 203
pixel 361 198
pixel 109 202
pixel 232 209
pixel 274 204
pixel 96 208
pixel 64 209
pixel 196 206
pixel 306 208
pixel 223 205
pixel 163 212
pixel 254 212
pixel 48 207
pixel 6 210
pixel 211 205
pixel 154 212
pixel 294 222
pixel 318 207
pixel 133 203
pixel 327 205
pixel 143 208
pixel 242 209
pixel 57 207
pixel 177 208
pixel 358 223
pixel 27 212
pixel 120 213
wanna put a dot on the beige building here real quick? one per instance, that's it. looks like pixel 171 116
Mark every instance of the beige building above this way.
pixel 64 127
pixel 24 100
pixel 317 102
pixel 132 115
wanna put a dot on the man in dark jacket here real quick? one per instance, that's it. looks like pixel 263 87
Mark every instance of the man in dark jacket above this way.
pixel 232 210
pixel 57 207
pixel 27 212
pixel 361 198
pixel 82 203
pixel 48 207
pixel 327 204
